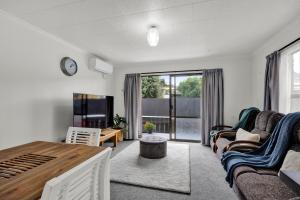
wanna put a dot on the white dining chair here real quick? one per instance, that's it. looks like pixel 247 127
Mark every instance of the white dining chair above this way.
pixel 79 135
pixel 89 180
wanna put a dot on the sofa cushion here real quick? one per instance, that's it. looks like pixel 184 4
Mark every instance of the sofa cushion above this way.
pixel 265 123
pixel 241 170
pixel 263 134
pixel 221 144
pixel 241 134
pixel 296 135
pixel 256 186
pixel 245 169
pixel 273 121
pixel 262 120
pixel 291 161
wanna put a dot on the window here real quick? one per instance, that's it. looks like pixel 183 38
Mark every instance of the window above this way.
pixel 289 80
pixel 295 89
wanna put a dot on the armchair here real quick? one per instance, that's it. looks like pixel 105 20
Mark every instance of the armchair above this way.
pixel 265 122
pixel 226 127
pixel 246 121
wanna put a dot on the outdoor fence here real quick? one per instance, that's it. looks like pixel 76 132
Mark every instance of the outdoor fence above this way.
pixel 157 111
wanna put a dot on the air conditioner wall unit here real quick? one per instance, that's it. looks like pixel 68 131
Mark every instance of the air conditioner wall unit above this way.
pixel 100 65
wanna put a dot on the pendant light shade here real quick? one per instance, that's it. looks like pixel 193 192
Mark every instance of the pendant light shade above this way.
pixel 153 36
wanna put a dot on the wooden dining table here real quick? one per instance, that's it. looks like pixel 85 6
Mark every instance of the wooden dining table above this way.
pixel 25 169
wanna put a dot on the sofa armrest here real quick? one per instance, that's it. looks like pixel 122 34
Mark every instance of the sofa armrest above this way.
pixel 227 134
pixel 243 146
pixel 230 134
pixel 220 127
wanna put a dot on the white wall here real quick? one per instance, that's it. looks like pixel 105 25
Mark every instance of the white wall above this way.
pixel 280 39
pixel 237 79
pixel 35 97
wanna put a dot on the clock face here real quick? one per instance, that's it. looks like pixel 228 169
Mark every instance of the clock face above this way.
pixel 68 66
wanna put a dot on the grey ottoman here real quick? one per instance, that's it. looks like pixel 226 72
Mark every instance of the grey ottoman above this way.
pixel 153 147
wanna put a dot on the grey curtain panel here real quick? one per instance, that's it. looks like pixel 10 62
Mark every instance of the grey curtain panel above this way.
pixel 271 93
pixel 133 105
pixel 212 108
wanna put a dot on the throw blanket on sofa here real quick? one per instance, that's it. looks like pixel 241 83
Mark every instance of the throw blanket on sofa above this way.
pixel 269 155
pixel 249 114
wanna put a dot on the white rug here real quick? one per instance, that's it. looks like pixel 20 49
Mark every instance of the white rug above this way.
pixel 171 173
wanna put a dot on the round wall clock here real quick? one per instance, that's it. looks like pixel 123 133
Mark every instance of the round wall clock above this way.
pixel 68 66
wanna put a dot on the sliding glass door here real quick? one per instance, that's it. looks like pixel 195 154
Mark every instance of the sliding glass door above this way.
pixel 185 104
pixel 172 103
pixel 156 104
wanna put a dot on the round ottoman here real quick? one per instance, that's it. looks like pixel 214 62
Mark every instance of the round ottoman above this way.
pixel 153 147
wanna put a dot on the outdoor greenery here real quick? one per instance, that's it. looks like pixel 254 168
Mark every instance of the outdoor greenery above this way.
pixel 149 127
pixel 152 87
pixel 191 87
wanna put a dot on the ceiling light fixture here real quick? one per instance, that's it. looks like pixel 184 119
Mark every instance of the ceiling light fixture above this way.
pixel 153 36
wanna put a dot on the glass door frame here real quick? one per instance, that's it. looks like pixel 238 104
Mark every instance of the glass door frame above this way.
pixel 172 108
pixel 159 75
pixel 171 74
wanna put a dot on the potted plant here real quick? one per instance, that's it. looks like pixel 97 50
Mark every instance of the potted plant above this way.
pixel 149 127
pixel 120 123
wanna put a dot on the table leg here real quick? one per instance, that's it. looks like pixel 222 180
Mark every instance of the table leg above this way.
pixel 115 140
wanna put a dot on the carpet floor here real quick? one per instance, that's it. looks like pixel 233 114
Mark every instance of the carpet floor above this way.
pixel 166 173
pixel 207 180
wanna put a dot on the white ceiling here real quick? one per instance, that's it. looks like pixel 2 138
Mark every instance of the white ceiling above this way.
pixel 116 29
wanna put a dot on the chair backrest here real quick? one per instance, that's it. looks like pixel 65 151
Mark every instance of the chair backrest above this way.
pixel 89 180
pixel 265 123
pixel 88 136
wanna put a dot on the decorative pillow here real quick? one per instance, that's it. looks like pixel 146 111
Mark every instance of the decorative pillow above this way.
pixel 291 161
pixel 241 134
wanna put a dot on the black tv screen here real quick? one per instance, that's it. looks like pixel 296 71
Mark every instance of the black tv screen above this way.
pixel 93 111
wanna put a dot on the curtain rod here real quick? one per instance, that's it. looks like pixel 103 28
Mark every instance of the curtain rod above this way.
pixel 164 72
pixel 289 44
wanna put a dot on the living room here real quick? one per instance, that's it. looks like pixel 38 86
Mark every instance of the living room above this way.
pixel 152 99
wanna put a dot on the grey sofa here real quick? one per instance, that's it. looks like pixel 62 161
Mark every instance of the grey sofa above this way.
pixel 265 123
pixel 264 184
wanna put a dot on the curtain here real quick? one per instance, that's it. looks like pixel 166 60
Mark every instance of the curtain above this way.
pixel 271 92
pixel 133 104
pixel 212 109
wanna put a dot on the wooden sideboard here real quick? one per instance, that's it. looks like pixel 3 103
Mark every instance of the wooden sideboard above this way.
pixel 115 135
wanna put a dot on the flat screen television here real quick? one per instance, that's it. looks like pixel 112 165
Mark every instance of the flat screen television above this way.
pixel 93 111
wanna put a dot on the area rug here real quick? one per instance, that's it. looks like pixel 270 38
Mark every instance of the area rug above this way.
pixel 171 173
